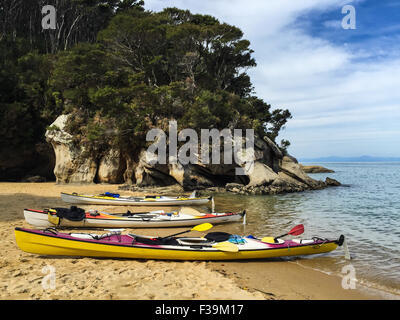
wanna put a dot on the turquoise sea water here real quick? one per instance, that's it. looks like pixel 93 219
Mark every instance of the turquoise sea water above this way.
pixel 366 210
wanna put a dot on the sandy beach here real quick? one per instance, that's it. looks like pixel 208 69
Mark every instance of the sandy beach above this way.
pixel 23 275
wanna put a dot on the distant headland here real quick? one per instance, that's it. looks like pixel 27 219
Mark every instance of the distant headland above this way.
pixel 351 159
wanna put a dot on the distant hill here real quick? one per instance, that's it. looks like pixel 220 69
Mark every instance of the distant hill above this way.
pixel 351 159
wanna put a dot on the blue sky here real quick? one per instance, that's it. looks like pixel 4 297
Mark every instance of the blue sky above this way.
pixel 342 86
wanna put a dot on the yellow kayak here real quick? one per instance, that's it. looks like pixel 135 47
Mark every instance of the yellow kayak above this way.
pixel 210 247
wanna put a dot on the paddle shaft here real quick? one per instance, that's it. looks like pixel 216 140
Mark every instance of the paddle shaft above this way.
pixel 175 234
pixel 281 236
pixel 295 231
pixel 201 227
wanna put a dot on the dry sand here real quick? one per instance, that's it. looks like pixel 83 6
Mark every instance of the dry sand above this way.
pixel 25 276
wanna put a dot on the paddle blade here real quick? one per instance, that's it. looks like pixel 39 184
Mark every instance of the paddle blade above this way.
pixel 226 246
pixel 268 240
pixel 199 227
pixel 202 227
pixel 297 230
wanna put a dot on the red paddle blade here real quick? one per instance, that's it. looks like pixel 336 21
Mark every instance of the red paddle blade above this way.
pixel 297 230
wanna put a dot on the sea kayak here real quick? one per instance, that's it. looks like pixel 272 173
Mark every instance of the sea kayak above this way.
pixel 116 199
pixel 209 247
pixel 77 218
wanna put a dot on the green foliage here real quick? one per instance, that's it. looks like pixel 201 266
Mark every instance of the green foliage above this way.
pixel 131 71
pixel 26 104
pixel 52 128
pixel 284 146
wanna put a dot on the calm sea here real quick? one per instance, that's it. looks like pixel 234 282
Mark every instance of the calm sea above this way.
pixel 366 210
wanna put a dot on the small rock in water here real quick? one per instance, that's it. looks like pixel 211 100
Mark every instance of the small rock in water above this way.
pixel 332 182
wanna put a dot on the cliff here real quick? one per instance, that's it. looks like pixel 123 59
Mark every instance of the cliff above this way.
pixel 272 171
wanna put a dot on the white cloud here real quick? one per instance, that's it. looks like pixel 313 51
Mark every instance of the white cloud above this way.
pixel 255 17
pixel 334 24
pixel 325 85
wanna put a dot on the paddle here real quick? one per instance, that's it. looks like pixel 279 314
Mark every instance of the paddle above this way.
pixel 199 227
pixel 297 230
pixel 226 246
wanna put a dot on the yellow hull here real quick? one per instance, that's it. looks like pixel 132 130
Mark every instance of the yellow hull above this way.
pixel 52 245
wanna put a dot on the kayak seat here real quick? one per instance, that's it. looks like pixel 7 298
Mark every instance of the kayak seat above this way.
pixel 155 241
pixel 127 214
pixel 73 214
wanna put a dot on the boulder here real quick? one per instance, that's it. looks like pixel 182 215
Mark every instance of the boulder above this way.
pixel 74 165
pixel 111 167
pixel 129 173
pixel 262 170
pixel 332 182
pixel 261 175
pixel 293 169
pixel 152 174
pixel 177 171
pixel 315 169
pixel 71 163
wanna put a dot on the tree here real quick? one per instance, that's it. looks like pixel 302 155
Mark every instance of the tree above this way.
pixel 77 21
pixel 120 70
pixel 151 67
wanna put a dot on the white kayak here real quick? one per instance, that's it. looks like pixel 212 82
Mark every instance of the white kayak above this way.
pixel 62 217
pixel 116 199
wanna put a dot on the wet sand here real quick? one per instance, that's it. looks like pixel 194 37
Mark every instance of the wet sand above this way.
pixel 27 276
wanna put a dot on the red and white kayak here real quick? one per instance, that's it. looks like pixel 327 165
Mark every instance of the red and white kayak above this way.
pixel 153 219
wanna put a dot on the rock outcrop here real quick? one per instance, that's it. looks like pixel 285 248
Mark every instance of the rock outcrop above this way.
pixel 315 169
pixel 74 165
pixel 269 171
pixel 71 165
pixel 111 167
pixel 332 182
